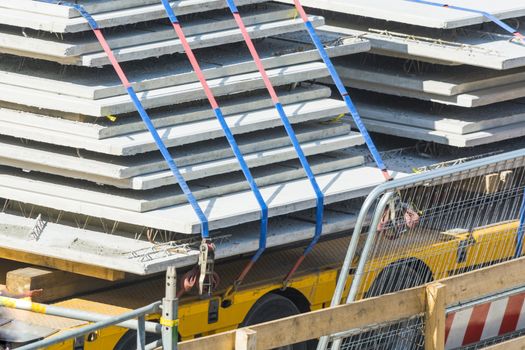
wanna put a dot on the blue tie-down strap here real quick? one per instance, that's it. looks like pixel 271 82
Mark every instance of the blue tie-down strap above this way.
pixel 251 181
pixel 171 163
pixel 487 15
pixel 147 121
pixel 224 125
pixel 304 162
pixel 92 23
pixel 169 11
pixel 344 93
pixel 232 6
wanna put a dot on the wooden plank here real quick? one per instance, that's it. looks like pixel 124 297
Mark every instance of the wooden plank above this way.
pixel 245 339
pixel 382 309
pixel 79 268
pixel 489 280
pixel 514 344
pixel 8 265
pixel 53 283
pixel 362 313
pixel 435 317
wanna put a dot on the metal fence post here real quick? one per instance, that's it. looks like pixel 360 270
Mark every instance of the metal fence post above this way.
pixel 141 333
pixel 352 294
pixel 521 229
pixel 170 304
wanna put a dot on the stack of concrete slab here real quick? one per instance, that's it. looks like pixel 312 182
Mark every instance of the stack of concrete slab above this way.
pixel 77 164
pixel 434 73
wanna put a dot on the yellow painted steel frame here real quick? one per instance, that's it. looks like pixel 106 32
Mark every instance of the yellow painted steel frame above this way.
pixel 317 288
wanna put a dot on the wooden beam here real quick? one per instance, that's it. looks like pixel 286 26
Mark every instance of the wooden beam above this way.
pixel 8 265
pixel 274 334
pixel 485 281
pixel 55 284
pixel 245 339
pixel 64 265
pixel 435 317
pixel 382 309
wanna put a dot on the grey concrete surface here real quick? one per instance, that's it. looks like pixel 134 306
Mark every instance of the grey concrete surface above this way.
pixel 16 15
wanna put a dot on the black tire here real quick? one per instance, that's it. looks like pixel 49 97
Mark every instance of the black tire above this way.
pixel 397 277
pixel 272 307
pixel 129 340
pixel 403 335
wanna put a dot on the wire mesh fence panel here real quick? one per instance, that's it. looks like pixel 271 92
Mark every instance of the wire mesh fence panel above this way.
pixel 405 334
pixel 428 227
pixel 444 227
pixel 494 340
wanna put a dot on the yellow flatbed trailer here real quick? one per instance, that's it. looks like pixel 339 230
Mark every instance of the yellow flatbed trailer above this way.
pixel 262 297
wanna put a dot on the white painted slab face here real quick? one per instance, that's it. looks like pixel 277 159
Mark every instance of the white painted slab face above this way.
pixel 419 14
pixel 469 140
pixel 224 211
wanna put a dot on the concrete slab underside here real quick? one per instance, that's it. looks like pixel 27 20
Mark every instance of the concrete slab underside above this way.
pixel 469 140
pixel 163 96
pixel 133 44
pixel 79 44
pixel 225 211
pixel 168 71
pixel 90 128
pixel 451 119
pixel 150 172
pixel 93 7
pixel 208 187
pixel 419 14
pixel 431 79
pixel 142 258
pixel 470 47
pixel 191 132
pixel 476 98
pixel 16 15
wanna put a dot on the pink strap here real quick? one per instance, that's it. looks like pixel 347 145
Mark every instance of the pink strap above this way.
pixel 195 65
pixel 256 58
pixel 112 58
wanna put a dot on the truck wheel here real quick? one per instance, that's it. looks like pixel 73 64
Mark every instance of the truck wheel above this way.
pixel 129 340
pixel 271 307
pixel 397 336
pixel 398 277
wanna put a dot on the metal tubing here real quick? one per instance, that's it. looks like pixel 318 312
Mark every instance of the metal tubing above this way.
pixel 154 345
pixel 521 230
pixel 110 321
pixel 347 263
pixel 20 304
pixel 372 231
pixel 366 250
pixel 170 305
pixel 141 333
